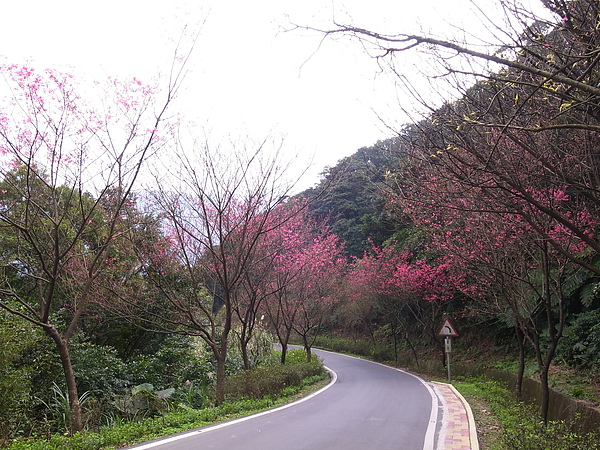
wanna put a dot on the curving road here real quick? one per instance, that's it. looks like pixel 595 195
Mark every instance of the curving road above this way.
pixel 367 406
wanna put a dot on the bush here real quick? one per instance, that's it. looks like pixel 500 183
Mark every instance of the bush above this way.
pixel 260 349
pixel 17 339
pixel 98 370
pixel 381 352
pixel 192 394
pixel 361 347
pixel 580 345
pixel 271 380
pixel 171 365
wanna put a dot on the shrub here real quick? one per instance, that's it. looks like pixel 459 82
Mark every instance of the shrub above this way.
pixel 17 339
pixel 580 345
pixel 98 369
pixel 144 400
pixel 260 349
pixel 192 394
pixel 362 347
pixel 271 380
pixel 180 416
pixel 382 352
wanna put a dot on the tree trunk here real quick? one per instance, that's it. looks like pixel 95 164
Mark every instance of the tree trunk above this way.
pixel 244 347
pixel 543 366
pixel 220 388
pixel 221 352
pixel 246 335
pixel 307 348
pixel 554 332
pixel 283 340
pixel 412 348
pixel 544 370
pixel 395 341
pixel 545 404
pixel 62 345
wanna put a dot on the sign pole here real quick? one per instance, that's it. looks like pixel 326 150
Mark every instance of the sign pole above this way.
pixel 448 348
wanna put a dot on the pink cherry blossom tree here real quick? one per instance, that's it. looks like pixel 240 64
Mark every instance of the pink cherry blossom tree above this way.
pixel 315 292
pixel 403 289
pixel 308 267
pixel 517 260
pixel 266 278
pixel 68 168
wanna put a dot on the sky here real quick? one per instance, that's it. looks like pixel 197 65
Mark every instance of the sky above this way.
pixel 250 74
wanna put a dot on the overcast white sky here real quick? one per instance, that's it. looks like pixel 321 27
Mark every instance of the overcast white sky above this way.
pixel 249 77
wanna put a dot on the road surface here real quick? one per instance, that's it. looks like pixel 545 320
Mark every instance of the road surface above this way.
pixel 367 406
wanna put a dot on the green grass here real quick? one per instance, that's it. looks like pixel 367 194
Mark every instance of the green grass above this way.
pixel 521 426
pixel 179 419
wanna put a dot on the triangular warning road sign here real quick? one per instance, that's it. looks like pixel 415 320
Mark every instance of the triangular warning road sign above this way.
pixel 447 329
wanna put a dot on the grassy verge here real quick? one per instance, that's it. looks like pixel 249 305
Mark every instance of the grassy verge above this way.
pixel 503 423
pixel 248 393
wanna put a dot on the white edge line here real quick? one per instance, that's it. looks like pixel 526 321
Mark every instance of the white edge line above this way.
pixel 444 406
pixel 241 419
pixel 430 434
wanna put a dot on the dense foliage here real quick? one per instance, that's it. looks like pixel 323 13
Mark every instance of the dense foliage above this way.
pixel 349 199
pixel 180 411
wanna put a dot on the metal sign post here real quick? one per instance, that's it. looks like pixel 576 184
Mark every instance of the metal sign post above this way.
pixel 448 331
pixel 448 349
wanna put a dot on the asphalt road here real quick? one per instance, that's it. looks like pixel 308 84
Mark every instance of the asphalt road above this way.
pixel 367 406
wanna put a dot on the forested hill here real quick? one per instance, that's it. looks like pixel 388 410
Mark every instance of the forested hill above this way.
pixel 350 197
